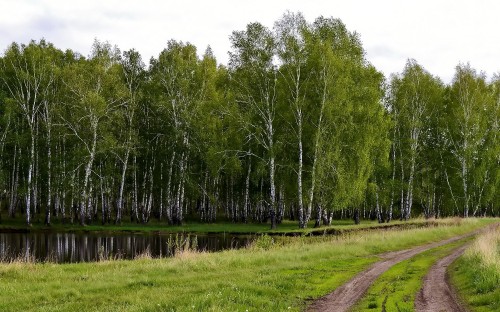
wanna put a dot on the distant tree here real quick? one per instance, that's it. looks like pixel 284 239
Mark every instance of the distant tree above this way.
pixel 413 96
pixel 255 79
pixel 94 93
pixel 28 73
pixel 469 135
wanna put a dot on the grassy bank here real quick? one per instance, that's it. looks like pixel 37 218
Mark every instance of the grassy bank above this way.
pixel 476 274
pixel 289 228
pixel 266 277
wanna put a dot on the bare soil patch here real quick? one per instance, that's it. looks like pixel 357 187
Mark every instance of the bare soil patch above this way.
pixel 436 294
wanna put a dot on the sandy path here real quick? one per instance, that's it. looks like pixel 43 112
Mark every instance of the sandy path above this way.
pixel 436 294
pixel 345 296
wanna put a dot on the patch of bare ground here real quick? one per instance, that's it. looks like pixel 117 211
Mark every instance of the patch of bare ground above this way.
pixel 436 294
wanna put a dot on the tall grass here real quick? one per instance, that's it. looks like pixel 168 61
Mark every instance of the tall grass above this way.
pixel 484 257
pixel 476 274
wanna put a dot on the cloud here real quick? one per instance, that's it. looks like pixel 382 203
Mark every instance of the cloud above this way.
pixel 438 34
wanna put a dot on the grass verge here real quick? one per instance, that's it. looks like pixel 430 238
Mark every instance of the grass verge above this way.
pixel 288 228
pixel 476 274
pixel 266 277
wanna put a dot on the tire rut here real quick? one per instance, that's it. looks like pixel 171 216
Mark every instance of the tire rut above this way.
pixel 436 294
pixel 346 296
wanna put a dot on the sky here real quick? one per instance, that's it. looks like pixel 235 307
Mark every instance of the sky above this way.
pixel 438 34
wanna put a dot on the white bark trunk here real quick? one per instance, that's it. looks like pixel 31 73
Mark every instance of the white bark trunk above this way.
pixel 88 170
pixel 49 176
pixel 299 175
pixel 169 188
pixel 246 205
pixel 316 150
pixel 119 208
pixel 30 177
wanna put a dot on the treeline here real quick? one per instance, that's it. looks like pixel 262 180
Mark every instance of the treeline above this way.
pixel 298 125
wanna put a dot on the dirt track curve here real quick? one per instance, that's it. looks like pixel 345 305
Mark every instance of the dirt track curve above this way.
pixel 436 294
pixel 345 296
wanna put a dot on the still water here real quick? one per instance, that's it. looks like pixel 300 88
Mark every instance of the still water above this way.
pixel 84 247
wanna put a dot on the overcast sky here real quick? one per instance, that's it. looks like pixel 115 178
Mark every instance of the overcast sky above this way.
pixel 437 33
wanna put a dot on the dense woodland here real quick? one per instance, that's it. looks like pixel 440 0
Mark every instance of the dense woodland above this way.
pixel 298 125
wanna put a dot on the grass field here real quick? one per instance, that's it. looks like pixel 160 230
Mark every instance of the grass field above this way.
pixel 476 274
pixel 265 277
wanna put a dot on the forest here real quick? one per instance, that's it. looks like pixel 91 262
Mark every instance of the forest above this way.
pixel 298 125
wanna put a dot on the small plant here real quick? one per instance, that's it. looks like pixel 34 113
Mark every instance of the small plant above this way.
pixel 264 242
pixel 194 243
pixel 146 254
pixel 101 254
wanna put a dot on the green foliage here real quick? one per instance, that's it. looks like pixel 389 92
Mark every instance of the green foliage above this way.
pixel 263 242
pixel 298 117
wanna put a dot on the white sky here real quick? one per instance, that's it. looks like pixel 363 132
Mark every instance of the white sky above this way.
pixel 437 33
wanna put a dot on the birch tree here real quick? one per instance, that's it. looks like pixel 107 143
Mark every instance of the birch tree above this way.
pixel 351 125
pixel 413 95
pixel 179 77
pixel 94 91
pixel 255 78
pixel 28 77
pixel 468 130
pixel 291 46
pixel 133 75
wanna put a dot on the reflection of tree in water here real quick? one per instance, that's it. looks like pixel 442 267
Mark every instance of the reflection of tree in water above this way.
pixel 71 247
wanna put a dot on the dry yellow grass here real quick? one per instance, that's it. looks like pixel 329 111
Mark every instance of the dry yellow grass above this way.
pixel 486 248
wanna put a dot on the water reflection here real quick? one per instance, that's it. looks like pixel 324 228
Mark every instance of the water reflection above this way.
pixel 77 247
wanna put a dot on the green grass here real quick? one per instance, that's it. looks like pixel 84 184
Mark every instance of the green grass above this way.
pixel 267 277
pixel 154 226
pixel 395 290
pixel 476 275
pixel 286 227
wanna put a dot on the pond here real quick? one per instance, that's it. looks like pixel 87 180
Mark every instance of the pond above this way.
pixel 85 247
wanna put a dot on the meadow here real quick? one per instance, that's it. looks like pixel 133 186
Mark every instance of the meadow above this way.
pixel 271 275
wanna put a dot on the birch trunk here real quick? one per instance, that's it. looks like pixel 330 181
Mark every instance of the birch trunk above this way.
pixel 316 151
pixel 169 188
pixel 49 176
pixel 389 215
pixel 272 199
pixel 103 201
pixel 204 199
pixel 30 176
pixel 119 205
pixel 36 171
pixel 150 198
pixel 178 202
pixel 465 186
pixel 135 202
pixel 160 214
pixel 14 183
pixel 377 203
pixel 300 202
pixel 88 169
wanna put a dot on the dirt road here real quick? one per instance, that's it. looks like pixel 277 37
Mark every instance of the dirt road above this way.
pixel 436 294
pixel 344 297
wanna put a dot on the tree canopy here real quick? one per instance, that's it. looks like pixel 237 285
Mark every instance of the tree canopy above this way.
pixel 297 125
